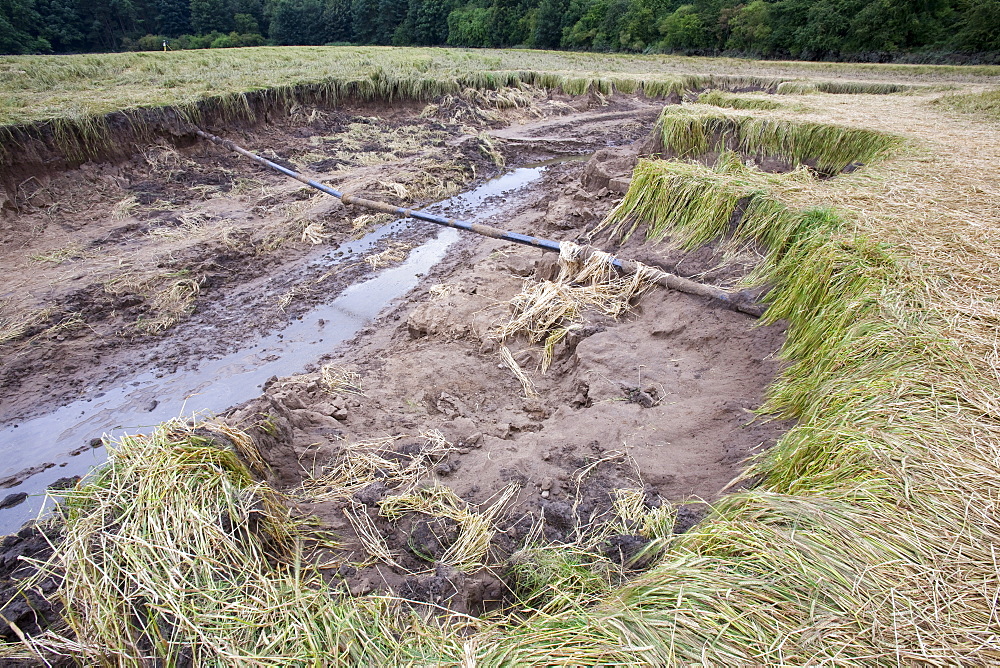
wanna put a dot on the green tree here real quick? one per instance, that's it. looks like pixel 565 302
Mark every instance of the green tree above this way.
pixel 548 24
pixel 297 22
pixel 582 33
pixel 246 24
pixel 684 29
pixel 895 25
pixel 211 15
pixel 337 20
pixel 978 29
pixel 61 25
pixel 20 24
pixel 470 26
pixel 173 17
pixel 750 28
pixel 364 21
pixel 430 21
pixel 391 14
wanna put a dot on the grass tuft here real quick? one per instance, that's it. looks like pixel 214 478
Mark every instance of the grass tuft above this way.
pixel 719 99
pixel 829 149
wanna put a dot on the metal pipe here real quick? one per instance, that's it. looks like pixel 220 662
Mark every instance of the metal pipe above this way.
pixel 743 301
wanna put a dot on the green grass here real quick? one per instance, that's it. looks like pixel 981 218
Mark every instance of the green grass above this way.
pixel 720 99
pixel 867 540
pixel 846 87
pixel 49 87
pixel 689 133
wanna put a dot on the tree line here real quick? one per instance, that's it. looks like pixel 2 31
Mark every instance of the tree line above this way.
pixel 868 30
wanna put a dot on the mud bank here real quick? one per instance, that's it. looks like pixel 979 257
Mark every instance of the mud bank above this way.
pixel 660 400
pixel 127 276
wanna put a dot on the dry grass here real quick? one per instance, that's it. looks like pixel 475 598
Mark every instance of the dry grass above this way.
pixel 340 380
pixel 169 298
pixel 546 311
pixel 396 252
pixel 60 255
pixel 868 538
pixel 361 463
pixel 477 525
pixel 986 104
pixel 14 324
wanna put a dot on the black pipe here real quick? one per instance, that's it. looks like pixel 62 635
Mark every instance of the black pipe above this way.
pixel 347 198
pixel 743 301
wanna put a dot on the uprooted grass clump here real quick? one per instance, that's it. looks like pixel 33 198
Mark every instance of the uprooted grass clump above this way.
pixel 169 299
pixel 844 87
pixel 695 204
pixel 177 550
pixel 830 149
pixel 171 551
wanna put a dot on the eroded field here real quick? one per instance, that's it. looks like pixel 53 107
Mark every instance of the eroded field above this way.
pixel 450 462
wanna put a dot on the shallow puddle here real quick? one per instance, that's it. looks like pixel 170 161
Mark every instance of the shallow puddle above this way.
pixel 213 385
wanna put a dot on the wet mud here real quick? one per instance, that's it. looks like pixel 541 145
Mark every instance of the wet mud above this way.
pixel 191 265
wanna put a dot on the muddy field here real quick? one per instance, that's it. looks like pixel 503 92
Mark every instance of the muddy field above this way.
pixel 188 280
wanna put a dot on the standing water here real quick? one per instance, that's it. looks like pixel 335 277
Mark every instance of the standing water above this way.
pixel 149 398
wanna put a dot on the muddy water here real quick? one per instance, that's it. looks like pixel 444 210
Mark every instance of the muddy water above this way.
pixel 41 450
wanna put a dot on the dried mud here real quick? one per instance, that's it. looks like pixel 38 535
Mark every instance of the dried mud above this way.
pixel 661 400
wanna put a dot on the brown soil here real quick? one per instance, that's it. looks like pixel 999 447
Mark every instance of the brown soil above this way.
pixel 663 400
pixel 660 400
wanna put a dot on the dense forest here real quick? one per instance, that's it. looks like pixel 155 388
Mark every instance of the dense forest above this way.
pixel 871 30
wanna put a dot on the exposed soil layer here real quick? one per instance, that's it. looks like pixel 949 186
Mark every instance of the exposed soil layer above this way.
pixel 183 254
pixel 661 400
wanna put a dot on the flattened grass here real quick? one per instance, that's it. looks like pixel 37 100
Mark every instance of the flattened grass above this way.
pixel 720 99
pixel 71 95
pixel 869 538
pixel 985 104
pixel 687 133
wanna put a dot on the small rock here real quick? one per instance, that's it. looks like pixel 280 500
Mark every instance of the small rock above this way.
pixel 65 483
pixel 521 265
pixel 95 442
pixel 361 588
pixel 547 484
pixel 151 406
pixel 14 499
pixel 545 493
